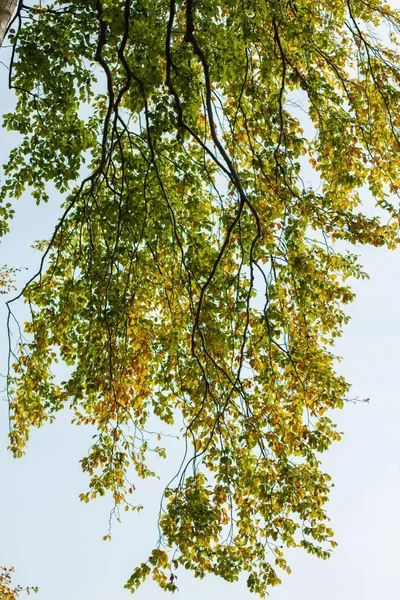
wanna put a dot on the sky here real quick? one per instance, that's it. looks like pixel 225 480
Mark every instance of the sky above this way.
pixel 55 541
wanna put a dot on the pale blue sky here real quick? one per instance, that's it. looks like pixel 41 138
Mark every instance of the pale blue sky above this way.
pixel 55 541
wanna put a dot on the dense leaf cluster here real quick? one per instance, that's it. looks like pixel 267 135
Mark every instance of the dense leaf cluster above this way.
pixel 193 279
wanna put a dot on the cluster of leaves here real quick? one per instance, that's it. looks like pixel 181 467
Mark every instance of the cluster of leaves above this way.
pixel 5 280
pixel 7 590
pixel 8 279
pixel 193 278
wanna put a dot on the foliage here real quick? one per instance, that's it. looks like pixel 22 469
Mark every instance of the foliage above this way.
pixel 7 591
pixel 7 281
pixel 196 279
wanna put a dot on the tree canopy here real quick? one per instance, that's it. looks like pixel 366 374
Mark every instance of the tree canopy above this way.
pixel 213 158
